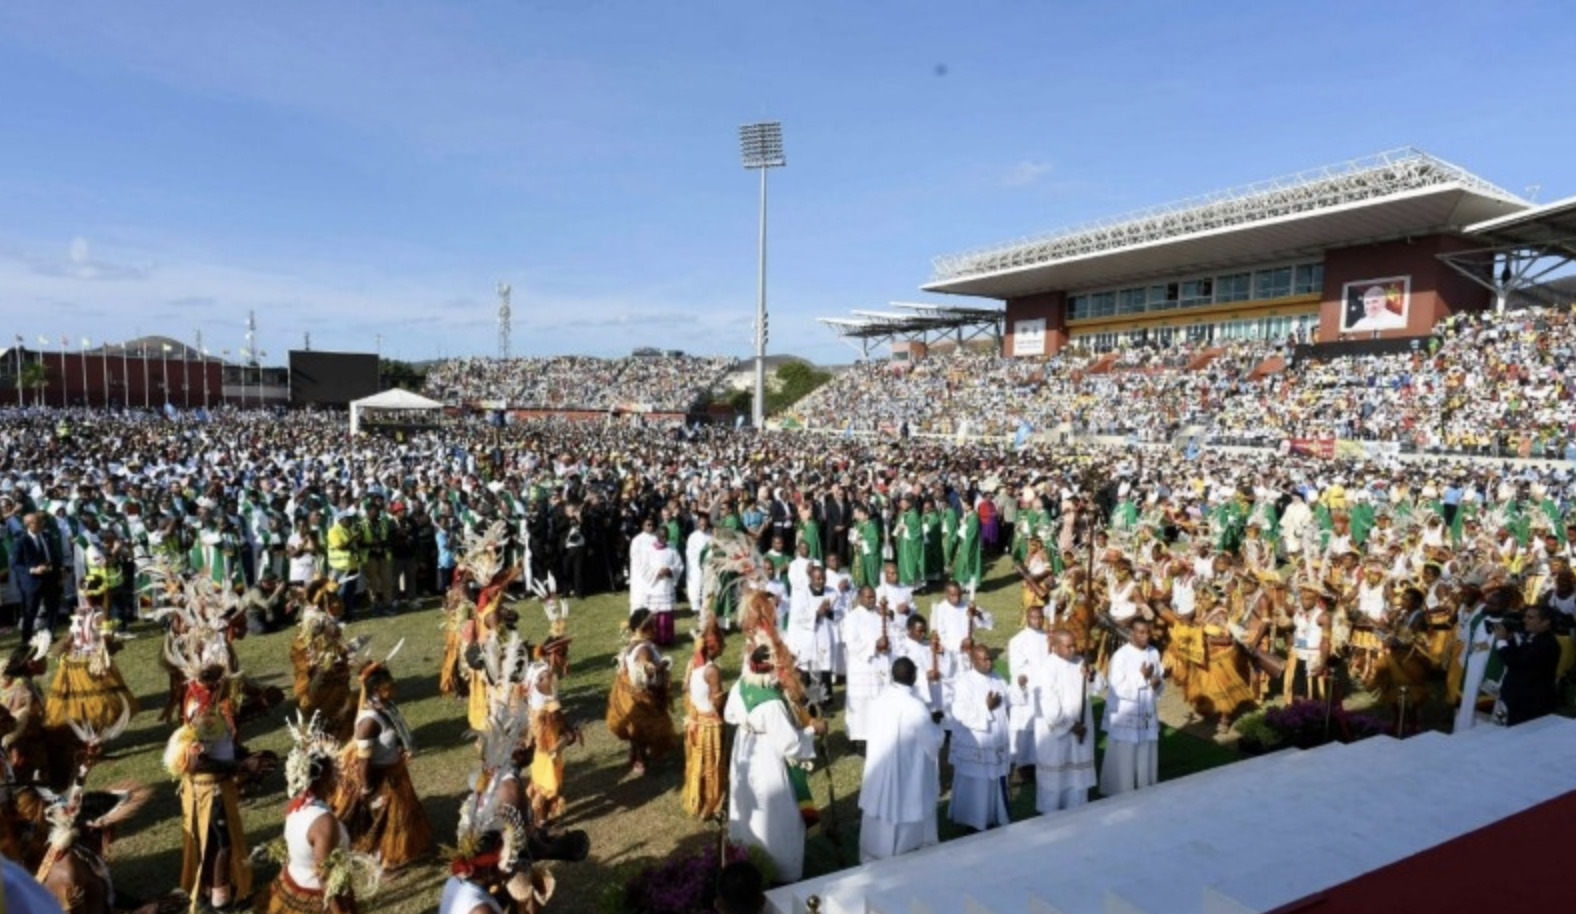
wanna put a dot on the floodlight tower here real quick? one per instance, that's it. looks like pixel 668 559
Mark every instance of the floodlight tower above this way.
pixel 503 319
pixel 762 147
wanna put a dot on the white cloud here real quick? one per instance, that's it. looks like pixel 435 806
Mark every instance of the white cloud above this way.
pixel 1025 173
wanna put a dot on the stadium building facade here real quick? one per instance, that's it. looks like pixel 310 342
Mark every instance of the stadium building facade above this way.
pixel 1375 247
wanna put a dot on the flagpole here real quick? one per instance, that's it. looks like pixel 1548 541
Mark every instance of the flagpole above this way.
pixel 19 403
pixel 104 370
pixel 164 369
pixel 85 399
pixel 63 400
pixel 144 353
pixel 125 375
pixel 186 376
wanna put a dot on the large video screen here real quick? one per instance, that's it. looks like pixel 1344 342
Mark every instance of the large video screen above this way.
pixel 332 378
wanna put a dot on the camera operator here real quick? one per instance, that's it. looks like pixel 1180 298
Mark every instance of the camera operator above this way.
pixel 1531 657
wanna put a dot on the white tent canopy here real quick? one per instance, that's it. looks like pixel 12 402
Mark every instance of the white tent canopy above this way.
pixel 393 400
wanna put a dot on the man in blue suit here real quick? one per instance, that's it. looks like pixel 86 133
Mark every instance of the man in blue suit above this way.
pixel 35 562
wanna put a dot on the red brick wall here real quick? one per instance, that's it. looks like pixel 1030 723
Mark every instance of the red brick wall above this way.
pixel 1052 306
pixel 1437 291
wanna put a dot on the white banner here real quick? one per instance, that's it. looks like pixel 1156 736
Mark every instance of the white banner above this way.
pixel 1028 337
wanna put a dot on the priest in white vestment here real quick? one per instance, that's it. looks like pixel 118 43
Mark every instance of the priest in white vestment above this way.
pixel 1132 719
pixel 813 633
pixel 902 780
pixel 868 645
pixel 1064 734
pixel 980 761
pixel 1476 635
pixel 1025 652
pixel 763 810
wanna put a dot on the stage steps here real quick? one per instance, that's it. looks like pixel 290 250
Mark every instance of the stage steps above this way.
pixel 1245 837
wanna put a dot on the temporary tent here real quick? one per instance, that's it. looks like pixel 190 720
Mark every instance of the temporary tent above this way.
pixel 392 401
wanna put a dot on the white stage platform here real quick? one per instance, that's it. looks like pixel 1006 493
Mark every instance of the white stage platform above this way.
pixel 1241 838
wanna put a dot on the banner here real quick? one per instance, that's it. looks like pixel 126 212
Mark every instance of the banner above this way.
pixel 1323 448
pixel 1367 450
pixel 1376 304
pixel 1028 337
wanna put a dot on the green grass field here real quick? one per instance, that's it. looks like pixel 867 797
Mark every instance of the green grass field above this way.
pixel 632 822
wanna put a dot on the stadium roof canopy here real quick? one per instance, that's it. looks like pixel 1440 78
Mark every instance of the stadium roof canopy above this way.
pixel 1388 196
pixel 918 322
pixel 1520 251
pixel 1550 227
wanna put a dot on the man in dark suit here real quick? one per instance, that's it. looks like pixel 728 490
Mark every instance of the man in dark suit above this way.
pixel 35 561
pixel 1531 658
pixel 835 517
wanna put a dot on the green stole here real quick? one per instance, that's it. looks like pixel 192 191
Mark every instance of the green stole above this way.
pixel 798 778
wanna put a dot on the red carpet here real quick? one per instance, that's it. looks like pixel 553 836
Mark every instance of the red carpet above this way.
pixel 1517 864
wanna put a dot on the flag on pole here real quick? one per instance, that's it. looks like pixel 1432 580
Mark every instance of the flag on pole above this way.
pixel 86 342
pixel 168 348
pixel 43 340
pixel 64 341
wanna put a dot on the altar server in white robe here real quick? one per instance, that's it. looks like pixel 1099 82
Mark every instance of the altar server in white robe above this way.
pixel 639 552
pixel 1132 721
pixel 1025 652
pixel 932 662
pixel 868 644
pixel 694 549
pixel 980 760
pixel 763 808
pixel 1064 735
pixel 954 621
pixel 841 584
pixel 814 634
pixel 902 780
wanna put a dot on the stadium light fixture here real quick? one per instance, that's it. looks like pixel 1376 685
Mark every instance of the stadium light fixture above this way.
pixel 761 146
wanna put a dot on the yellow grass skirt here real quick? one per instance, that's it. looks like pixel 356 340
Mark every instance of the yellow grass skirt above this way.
pixel 1221 685
pixel 202 796
pixel 640 717
pixel 77 695
pixel 390 822
pixel 705 777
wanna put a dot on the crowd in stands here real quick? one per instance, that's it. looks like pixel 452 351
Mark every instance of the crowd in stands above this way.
pixel 1146 392
pixel 1485 383
pixel 665 383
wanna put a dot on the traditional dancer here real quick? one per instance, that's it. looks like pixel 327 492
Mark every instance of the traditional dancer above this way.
pixel 637 711
pixel 376 799
pixel 550 734
pixel 321 659
pixel 319 870
pixel 705 778
pixel 87 688
pixel 75 868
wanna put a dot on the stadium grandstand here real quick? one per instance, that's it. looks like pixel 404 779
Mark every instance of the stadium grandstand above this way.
pixel 1395 299
pixel 661 383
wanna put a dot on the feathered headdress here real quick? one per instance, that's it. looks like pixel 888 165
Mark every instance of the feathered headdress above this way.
pixel 78 810
pixel 482 553
pixel 731 561
pixel 555 606
pixel 311 748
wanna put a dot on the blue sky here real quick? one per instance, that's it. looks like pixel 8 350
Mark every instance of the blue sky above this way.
pixel 353 168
